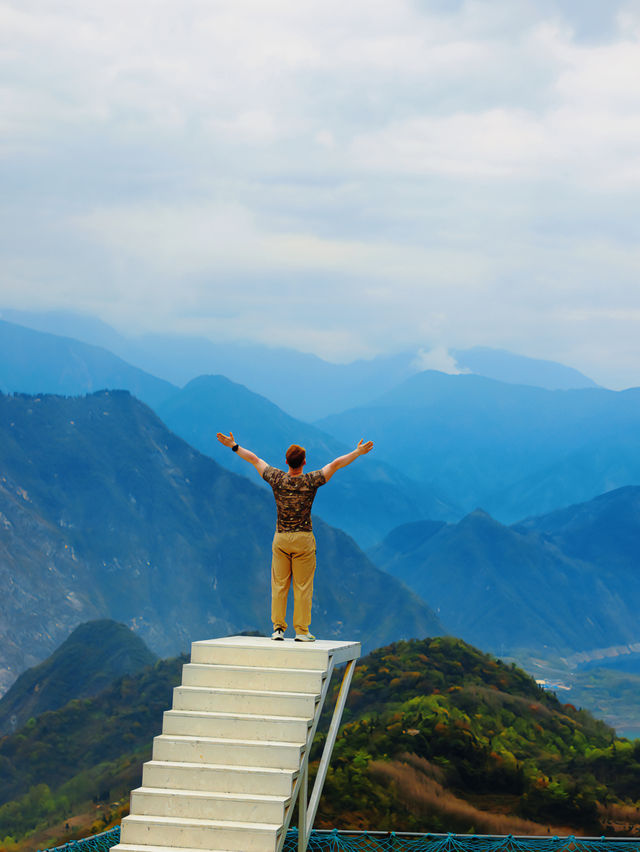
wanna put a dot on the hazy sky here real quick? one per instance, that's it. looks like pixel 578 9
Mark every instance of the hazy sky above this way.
pixel 346 178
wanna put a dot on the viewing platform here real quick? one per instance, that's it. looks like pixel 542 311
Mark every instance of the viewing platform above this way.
pixel 232 758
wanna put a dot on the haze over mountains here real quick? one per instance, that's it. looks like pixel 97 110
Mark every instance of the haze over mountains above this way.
pixel 305 386
pixel 513 450
pixel 555 584
pixel 367 501
pixel 106 513
pixel 518 370
pixel 37 362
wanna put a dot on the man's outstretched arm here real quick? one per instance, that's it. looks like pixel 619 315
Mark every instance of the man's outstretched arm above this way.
pixel 342 461
pixel 247 455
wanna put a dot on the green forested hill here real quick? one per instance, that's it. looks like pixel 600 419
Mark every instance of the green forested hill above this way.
pixel 92 657
pixel 91 749
pixel 437 737
pixel 439 733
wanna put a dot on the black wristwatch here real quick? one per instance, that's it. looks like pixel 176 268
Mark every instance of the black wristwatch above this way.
pixel 234 448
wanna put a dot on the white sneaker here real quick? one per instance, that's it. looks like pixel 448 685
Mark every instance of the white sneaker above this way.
pixel 278 634
pixel 305 637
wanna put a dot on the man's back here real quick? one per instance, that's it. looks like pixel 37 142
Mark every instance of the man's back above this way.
pixel 294 497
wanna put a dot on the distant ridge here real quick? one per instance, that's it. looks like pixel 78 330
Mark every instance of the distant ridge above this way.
pixel 605 530
pixel 520 370
pixel 36 362
pixel 516 450
pixel 559 584
pixel 306 386
pixel 300 383
pixel 93 656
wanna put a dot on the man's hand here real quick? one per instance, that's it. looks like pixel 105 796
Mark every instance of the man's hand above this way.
pixel 364 447
pixel 243 453
pixel 227 440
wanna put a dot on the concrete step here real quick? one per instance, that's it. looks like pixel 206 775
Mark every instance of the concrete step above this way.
pixel 236 726
pixel 246 677
pixel 198 804
pixel 286 654
pixel 200 833
pixel 223 700
pixel 218 778
pixel 265 753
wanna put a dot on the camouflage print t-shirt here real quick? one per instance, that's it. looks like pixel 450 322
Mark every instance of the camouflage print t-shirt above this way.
pixel 294 497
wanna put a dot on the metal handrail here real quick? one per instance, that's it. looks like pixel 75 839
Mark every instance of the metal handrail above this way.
pixel 307 808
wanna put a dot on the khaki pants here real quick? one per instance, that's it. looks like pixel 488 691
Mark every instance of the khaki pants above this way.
pixel 294 558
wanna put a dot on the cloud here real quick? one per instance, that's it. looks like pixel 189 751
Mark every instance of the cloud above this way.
pixel 586 132
pixel 353 178
pixel 439 359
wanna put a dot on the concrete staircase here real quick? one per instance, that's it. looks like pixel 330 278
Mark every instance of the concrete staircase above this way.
pixel 232 756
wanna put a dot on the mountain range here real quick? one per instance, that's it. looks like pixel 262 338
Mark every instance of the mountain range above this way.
pixel 366 502
pixel 444 444
pixel 36 362
pixel 304 385
pixel 105 513
pixel 563 582
pixel 515 369
pixel 514 450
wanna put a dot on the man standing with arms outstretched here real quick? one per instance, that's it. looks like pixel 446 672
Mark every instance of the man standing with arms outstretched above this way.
pixel 294 545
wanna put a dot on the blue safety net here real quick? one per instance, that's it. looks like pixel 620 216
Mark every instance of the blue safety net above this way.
pixel 96 843
pixel 384 841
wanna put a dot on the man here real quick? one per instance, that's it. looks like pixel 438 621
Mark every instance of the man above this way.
pixel 294 545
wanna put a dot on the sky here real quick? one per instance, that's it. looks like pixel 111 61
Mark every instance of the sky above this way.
pixel 347 179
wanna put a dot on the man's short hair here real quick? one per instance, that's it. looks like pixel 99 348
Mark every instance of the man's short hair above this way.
pixel 296 456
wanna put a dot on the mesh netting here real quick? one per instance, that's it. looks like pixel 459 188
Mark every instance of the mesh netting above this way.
pixel 382 841
pixel 97 843
pixel 378 841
